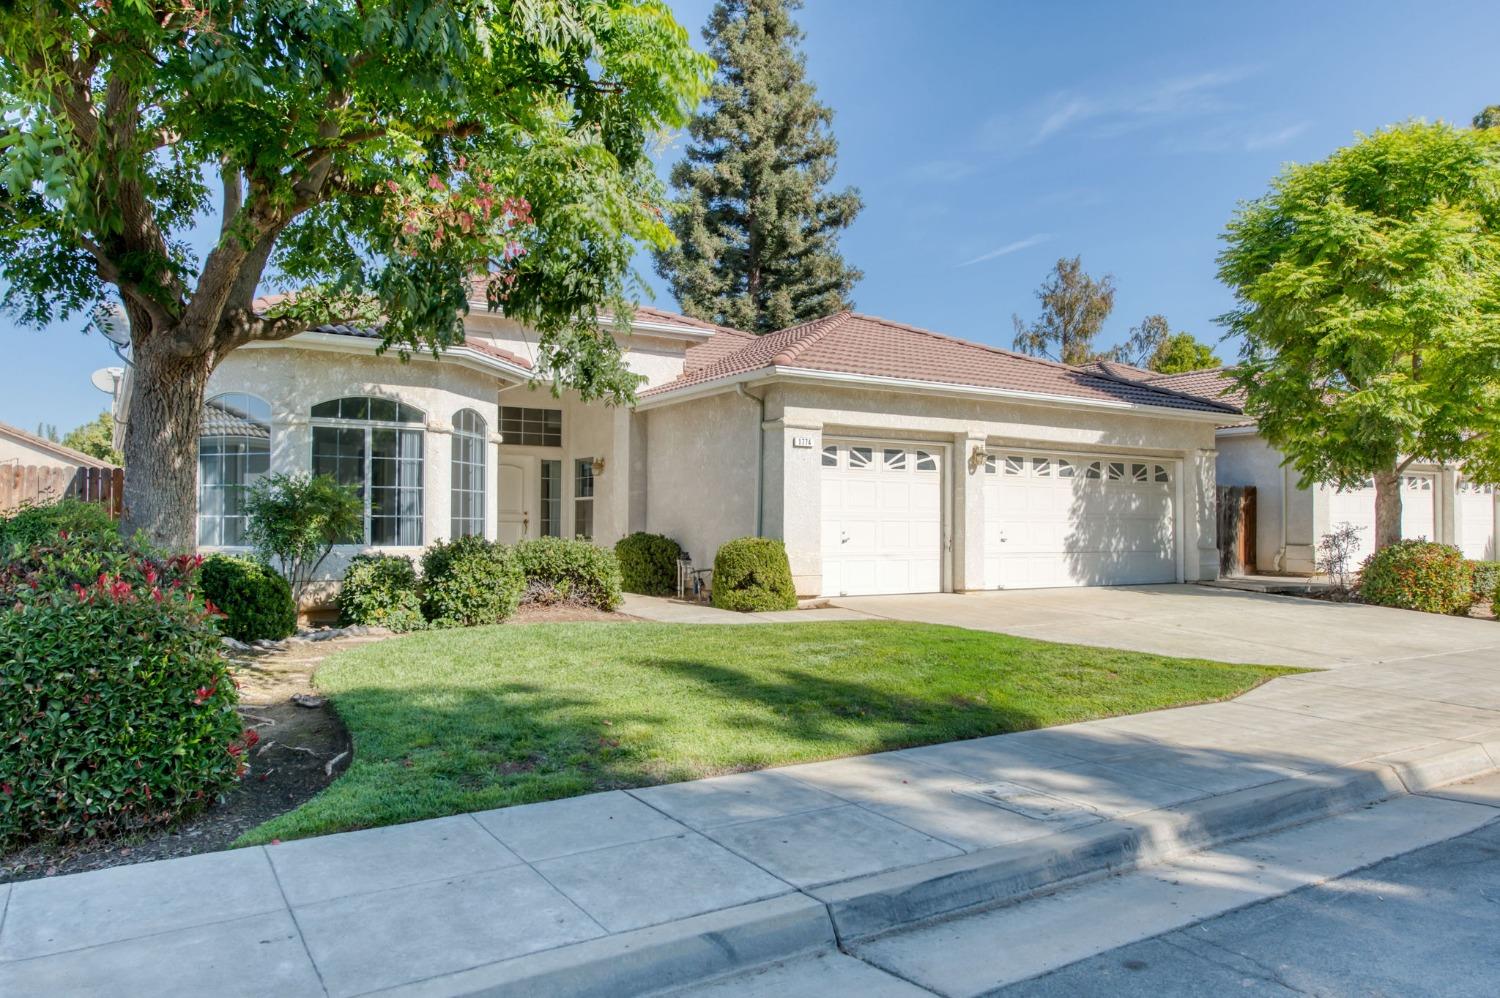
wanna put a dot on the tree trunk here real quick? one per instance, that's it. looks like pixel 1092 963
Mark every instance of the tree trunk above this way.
pixel 161 443
pixel 1387 508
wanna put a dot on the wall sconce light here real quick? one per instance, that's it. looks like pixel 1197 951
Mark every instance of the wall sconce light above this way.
pixel 598 466
pixel 976 459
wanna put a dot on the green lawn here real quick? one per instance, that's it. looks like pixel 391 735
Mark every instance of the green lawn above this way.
pixel 462 720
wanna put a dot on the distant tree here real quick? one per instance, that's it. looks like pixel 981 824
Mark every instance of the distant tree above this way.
pixel 1154 346
pixel 47 431
pixel 757 230
pixel 1488 118
pixel 1074 307
pixel 1367 290
pixel 96 439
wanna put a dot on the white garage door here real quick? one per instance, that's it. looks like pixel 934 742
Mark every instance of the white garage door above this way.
pixel 1476 520
pixel 1357 506
pixel 1055 520
pixel 882 518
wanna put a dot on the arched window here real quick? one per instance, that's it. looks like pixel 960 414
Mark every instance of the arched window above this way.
pixel 375 445
pixel 467 483
pixel 234 449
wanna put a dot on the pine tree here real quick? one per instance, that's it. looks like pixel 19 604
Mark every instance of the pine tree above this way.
pixel 757 230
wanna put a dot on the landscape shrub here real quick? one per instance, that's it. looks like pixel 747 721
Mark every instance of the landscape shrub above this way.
pixel 752 573
pixel 295 520
pixel 1418 575
pixel 470 581
pixel 381 590
pixel 43 524
pixel 648 563
pixel 569 571
pixel 256 602
pixel 1486 579
pixel 117 712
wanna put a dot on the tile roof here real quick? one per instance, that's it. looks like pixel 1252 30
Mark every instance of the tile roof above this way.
pixel 852 343
pixel 1211 383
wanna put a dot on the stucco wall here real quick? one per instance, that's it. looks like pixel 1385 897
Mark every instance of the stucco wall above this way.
pixel 700 469
pixel 1247 460
pixel 19 452
pixel 793 479
pixel 659 358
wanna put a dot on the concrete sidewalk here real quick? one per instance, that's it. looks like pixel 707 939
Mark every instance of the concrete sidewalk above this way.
pixel 671 611
pixel 622 892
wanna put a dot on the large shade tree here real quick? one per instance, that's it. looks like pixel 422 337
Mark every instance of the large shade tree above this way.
pixel 1367 291
pixel 374 155
pixel 1074 307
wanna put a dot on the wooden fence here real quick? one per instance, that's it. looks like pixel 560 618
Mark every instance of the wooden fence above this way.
pixel 32 485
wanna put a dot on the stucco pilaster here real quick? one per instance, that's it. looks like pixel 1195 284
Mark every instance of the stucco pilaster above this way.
pixel 793 497
pixel 1447 505
pixel 1201 544
pixel 437 505
pixel 964 543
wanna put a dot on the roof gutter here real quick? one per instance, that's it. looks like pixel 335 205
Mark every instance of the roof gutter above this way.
pixel 930 388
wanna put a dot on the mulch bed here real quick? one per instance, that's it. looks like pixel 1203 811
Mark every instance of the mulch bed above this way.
pixel 301 751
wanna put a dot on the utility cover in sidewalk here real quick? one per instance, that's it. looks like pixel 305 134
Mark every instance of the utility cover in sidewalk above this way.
pixel 1026 801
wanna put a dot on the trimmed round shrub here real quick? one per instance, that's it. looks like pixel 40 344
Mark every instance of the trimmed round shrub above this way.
pixel 648 563
pixel 1418 575
pixel 1486 579
pixel 255 601
pixel 117 710
pixel 569 571
pixel 381 590
pixel 46 524
pixel 752 573
pixel 469 581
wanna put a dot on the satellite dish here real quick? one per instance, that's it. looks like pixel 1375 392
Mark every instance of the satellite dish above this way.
pixel 106 378
pixel 111 321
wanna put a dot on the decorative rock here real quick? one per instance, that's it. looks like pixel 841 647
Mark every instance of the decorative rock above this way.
pixel 269 645
pixel 235 646
pixel 307 700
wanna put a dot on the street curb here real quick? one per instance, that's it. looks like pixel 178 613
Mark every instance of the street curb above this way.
pixel 670 955
pixel 692 950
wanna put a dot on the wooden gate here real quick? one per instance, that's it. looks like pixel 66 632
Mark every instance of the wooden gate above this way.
pixel 1236 529
pixel 35 485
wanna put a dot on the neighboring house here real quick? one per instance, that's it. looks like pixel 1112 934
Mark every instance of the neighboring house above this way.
pixel 890 459
pixel 27 450
pixel 1437 502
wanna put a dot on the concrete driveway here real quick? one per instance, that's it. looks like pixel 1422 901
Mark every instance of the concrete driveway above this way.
pixel 1199 621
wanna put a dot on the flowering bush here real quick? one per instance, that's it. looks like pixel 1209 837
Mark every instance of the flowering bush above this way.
pixel 1418 575
pixel 469 581
pixel 381 590
pixel 569 571
pixel 117 712
pixel 1486 579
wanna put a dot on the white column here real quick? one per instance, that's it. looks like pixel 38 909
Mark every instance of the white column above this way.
pixel 964 540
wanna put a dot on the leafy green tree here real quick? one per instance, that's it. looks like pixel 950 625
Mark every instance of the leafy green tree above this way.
pixel 1367 290
pixel 96 439
pixel 1154 346
pixel 1488 118
pixel 375 155
pixel 295 520
pixel 1074 307
pixel 757 228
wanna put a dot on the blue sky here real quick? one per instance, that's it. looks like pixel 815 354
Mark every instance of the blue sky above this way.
pixel 990 138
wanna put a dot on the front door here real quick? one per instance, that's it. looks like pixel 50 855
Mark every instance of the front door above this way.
pixel 518 492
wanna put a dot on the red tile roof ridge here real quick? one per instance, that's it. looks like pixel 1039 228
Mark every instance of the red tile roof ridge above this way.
pixel 813 331
pixel 1155 384
pixel 1015 354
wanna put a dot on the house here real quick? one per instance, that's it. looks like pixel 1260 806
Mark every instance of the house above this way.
pixel 889 458
pixel 1437 501
pixel 27 450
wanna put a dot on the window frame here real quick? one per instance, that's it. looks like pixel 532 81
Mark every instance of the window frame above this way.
pixel 470 431
pixel 413 428
pixel 583 473
pixel 523 413
pixel 220 517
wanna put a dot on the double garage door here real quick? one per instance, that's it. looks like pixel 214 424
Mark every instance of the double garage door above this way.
pixel 1050 520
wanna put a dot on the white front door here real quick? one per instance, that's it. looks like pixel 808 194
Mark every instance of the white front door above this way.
pixel 1061 520
pixel 882 518
pixel 1357 507
pixel 1476 520
pixel 518 492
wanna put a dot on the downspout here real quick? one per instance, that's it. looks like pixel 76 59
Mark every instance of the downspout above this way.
pixel 760 457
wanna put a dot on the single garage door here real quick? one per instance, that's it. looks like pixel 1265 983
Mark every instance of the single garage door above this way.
pixel 1063 520
pixel 1476 520
pixel 882 518
pixel 1357 506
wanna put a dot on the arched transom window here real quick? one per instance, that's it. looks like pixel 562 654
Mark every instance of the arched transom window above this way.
pixel 467 483
pixel 375 445
pixel 234 449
